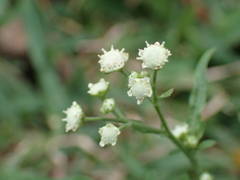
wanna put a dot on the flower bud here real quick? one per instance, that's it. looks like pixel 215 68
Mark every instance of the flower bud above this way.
pixel 107 106
pixel 191 141
pixel 154 56
pixel 206 176
pixel 98 89
pixel 74 116
pixel 139 86
pixel 180 130
pixel 109 134
pixel 112 60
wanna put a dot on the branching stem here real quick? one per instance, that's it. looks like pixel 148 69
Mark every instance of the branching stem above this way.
pixel 188 154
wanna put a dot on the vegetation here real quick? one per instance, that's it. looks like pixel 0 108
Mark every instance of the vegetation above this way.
pixel 48 54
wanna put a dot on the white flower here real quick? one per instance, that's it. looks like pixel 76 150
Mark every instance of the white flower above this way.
pixel 154 56
pixel 99 88
pixel 74 116
pixel 107 106
pixel 206 176
pixel 112 60
pixel 109 134
pixel 140 86
pixel 180 130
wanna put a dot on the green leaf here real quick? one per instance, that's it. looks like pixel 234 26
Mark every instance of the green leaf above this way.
pixel 166 94
pixel 199 94
pixel 206 144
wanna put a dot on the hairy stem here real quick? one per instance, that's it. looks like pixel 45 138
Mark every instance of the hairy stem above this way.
pixel 189 155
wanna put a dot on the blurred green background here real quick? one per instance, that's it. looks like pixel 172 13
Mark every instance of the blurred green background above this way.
pixel 48 54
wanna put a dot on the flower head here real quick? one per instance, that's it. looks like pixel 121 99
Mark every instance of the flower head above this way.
pixel 99 88
pixel 112 60
pixel 109 134
pixel 74 116
pixel 180 130
pixel 206 176
pixel 139 86
pixel 154 56
pixel 107 106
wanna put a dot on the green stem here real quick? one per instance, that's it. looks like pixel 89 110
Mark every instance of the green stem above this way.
pixel 135 124
pixel 168 131
pixel 90 119
pixel 124 72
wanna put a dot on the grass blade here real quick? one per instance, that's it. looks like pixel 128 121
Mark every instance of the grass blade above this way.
pixel 51 87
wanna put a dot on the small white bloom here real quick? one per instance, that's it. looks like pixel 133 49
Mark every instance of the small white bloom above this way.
pixel 191 141
pixel 99 88
pixel 112 60
pixel 140 86
pixel 206 176
pixel 74 116
pixel 109 134
pixel 180 130
pixel 154 56
pixel 107 106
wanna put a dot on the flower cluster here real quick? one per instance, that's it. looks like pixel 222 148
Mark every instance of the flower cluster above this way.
pixel 141 85
pixel 154 56
pixel 74 117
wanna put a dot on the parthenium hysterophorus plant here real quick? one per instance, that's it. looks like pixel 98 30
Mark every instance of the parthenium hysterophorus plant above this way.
pixel 143 85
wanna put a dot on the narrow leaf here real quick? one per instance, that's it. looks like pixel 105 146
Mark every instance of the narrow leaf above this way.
pixel 206 144
pixel 53 92
pixel 199 93
pixel 166 94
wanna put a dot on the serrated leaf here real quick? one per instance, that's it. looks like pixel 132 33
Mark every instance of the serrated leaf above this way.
pixel 206 144
pixel 199 94
pixel 166 94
